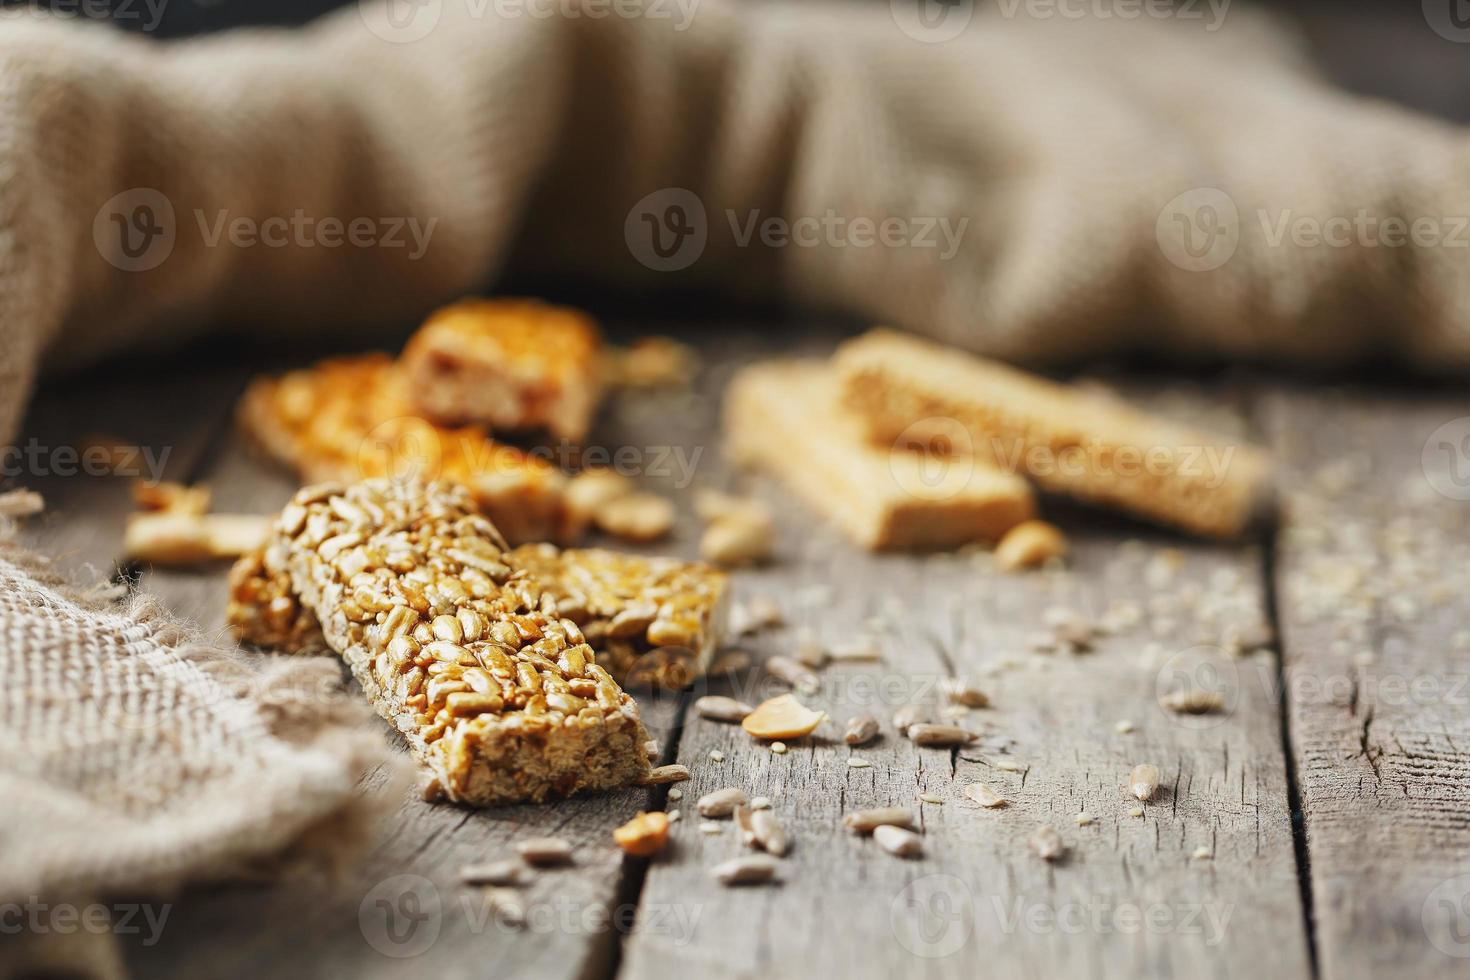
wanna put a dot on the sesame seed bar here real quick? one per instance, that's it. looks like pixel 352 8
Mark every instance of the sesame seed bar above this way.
pixel 353 418
pixel 509 364
pixel 500 698
pixel 1069 441
pixel 785 417
pixel 654 621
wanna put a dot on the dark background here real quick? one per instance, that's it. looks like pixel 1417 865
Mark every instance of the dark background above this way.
pixel 1382 48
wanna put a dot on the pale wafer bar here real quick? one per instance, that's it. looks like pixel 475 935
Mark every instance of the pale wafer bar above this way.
pixel 1069 441
pixel 512 365
pixel 499 697
pixel 785 417
pixel 353 418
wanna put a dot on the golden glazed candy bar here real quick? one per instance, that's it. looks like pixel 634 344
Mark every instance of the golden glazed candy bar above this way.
pixel 653 620
pixel 353 418
pixel 785 417
pixel 1068 441
pixel 498 696
pixel 511 365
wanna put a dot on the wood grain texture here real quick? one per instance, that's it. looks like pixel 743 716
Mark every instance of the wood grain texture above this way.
pixel 1131 898
pixel 1374 599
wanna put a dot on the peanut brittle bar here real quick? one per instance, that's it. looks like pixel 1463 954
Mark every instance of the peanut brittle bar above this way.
pixel 511 365
pixel 785 417
pixel 1067 440
pixel 353 418
pixel 655 621
pixel 501 698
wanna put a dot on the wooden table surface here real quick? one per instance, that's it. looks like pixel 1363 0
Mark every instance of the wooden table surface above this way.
pixel 1332 798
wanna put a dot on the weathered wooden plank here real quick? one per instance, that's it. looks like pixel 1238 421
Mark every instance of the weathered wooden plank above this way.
pixel 1373 605
pixel 1130 899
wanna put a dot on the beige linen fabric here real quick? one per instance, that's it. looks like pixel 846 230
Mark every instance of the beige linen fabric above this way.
pixel 134 758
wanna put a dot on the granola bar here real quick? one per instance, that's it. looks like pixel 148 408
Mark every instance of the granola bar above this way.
pixel 655 621
pixel 353 418
pixel 501 698
pixel 511 365
pixel 785 417
pixel 1067 440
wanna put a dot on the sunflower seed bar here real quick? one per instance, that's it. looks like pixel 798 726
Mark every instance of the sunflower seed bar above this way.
pixel 655 621
pixel 1067 440
pixel 499 697
pixel 785 417
pixel 510 364
pixel 354 418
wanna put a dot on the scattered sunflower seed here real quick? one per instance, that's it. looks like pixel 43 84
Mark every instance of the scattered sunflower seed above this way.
pixel 865 821
pixel 666 774
pixel 959 691
pixel 1193 701
pixel 861 729
pixel 940 735
pixel 1136 812
pixel 676 794
pixel 790 672
pixel 931 798
pixel 984 795
pixel 506 906
pixel 504 872
pixel 1123 727
pixel 717 707
pixel 715 755
pixel 751 869
pixel 720 803
pixel 856 651
pixel 730 662
pixel 782 717
pixel 769 833
pixel 1083 819
pixel 1202 854
pixel 543 851
pixel 1006 765
pixel 855 763
pixel 909 715
pixel 809 652
pixel 762 612
pixel 778 747
pixel 1047 843
pixel 898 841
pixel 710 827
pixel 1144 781
pixel 761 803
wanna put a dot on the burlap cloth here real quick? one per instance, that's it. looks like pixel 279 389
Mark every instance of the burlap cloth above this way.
pixel 1106 186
